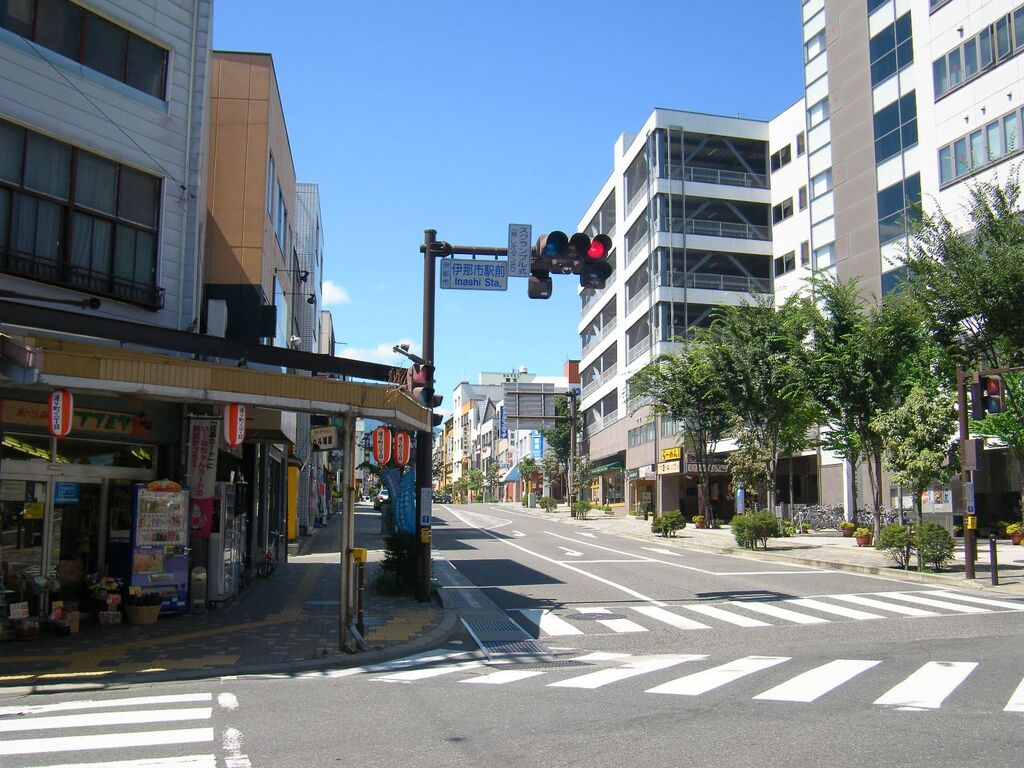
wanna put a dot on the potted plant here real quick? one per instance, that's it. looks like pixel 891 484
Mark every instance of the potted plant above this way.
pixel 698 521
pixel 1016 532
pixel 847 528
pixel 142 607
pixel 863 536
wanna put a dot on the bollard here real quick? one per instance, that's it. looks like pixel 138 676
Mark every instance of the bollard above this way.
pixel 993 559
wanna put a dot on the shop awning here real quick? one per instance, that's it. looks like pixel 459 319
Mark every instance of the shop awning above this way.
pixel 80 366
pixel 609 467
pixel 512 476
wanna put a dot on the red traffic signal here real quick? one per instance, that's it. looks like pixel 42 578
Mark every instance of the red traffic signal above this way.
pixel 577 254
pixel 991 394
pixel 419 383
pixel 597 268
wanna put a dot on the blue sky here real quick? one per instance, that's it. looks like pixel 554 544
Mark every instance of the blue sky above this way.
pixel 467 116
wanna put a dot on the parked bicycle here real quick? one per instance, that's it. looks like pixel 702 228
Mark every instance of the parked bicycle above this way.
pixel 269 563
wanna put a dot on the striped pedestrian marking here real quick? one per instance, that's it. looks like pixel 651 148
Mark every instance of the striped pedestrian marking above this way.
pixel 185 761
pixel 929 686
pixel 615 625
pixel 640 666
pixel 413 675
pixel 838 610
pixel 769 609
pixel 1016 702
pixel 944 604
pixel 726 616
pixel 106 741
pixel 548 623
pixel 815 683
pixel 870 602
pixel 96 719
pixel 709 679
pixel 672 619
pixel 65 706
pixel 503 676
pixel 1003 604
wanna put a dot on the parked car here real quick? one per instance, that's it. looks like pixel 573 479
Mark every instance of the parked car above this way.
pixel 380 498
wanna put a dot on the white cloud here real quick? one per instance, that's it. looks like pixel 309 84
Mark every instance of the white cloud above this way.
pixel 335 294
pixel 382 353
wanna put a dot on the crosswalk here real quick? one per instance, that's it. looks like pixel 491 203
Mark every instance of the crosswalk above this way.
pixel 823 609
pixel 125 732
pixel 928 687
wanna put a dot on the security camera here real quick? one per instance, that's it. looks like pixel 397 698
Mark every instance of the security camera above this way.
pixel 294 340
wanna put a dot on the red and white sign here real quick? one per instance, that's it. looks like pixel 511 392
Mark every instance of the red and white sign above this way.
pixel 234 424
pixel 201 474
pixel 382 445
pixel 62 409
pixel 403 448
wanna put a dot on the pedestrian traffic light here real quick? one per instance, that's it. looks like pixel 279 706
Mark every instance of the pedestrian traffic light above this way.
pixel 991 388
pixel 419 383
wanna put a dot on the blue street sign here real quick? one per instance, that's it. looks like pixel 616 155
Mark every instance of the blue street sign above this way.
pixel 474 275
pixel 520 246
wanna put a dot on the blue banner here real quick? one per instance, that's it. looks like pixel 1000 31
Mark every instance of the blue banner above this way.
pixel 402 488
pixel 537 445
pixel 502 426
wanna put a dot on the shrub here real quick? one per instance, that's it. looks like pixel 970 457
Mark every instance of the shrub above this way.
pixel 1001 528
pixel 755 528
pixel 580 509
pixel 862 532
pixel 1013 528
pixel 668 524
pixel 934 544
pixel 548 503
pixel 847 525
pixel 805 527
pixel 788 530
pixel 897 541
pixel 397 571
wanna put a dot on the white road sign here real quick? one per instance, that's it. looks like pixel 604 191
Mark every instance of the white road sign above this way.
pixel 323 438
pixel 474 274
pixel 520 245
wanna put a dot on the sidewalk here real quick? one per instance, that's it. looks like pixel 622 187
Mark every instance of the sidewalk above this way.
pixel 286 622
pixel 820 549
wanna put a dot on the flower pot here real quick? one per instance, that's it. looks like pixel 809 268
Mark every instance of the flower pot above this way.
pixel 847 532
pixel 1016 538
pixel 864 541
pixel 142 614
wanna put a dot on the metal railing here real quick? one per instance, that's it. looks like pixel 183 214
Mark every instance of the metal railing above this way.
pixel 719 229
pixel 638 349
pixel 716 176
pixel 605 375
pixel 600 422
pixel 715 282
pixel 639 298
pixel 636 246
pixel 74 276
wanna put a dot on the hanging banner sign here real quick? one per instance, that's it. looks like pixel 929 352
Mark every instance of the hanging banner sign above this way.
pixel 234 424
pixel 382 445
pixel 403 448
pixel 201 474
pixel 62 410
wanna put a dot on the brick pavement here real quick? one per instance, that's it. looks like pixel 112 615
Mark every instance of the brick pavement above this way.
pixel 287 621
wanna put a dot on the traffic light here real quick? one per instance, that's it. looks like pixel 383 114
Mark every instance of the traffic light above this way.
pixel 575 255
pixel 419 383
pixel 991 388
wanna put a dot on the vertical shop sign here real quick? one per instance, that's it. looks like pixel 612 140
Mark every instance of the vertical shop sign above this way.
pixel 382 445
pixel 62 410
pixel 234 424
pixel 202 474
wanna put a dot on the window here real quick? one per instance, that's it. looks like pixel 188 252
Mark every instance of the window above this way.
pixel 821 183
pixel 992 45
pixel 782 211
pixel 802 197
pixel 781 158
pixel 897 208
pixel 98 235
pixel 785 263
pixel 801 144
pixel 814 46
pixel 895 127
pixel 270 187
pixel 805 253
pixel 979 148
pixel 891 50
pixel 817 113
pixel 80 35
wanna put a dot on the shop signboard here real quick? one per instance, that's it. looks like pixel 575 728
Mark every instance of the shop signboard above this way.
pixel 647 472
pixel 715 467
pixel 670 454
pixel 62 411
pixel 668 467
pixel 234 424
pixel 633 474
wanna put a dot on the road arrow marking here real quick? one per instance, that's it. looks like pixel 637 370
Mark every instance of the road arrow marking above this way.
pixel 588 535
pixel 571 552
pixel 518 534
pixel 663 551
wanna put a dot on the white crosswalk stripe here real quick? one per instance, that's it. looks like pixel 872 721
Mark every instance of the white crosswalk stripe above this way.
pixel 716 677
pixel 1016 702
pixel 633 669
pixel 819 609
pixel 815 683
pixel 929 686
pixel 93 730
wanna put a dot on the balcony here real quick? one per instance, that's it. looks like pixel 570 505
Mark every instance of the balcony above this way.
pixel 706 175
pixel 83 279
pixel 600 422
pixel 719 229
pixel 713 282
pixel 636 247
pixel 640 297
pixel 640 348
pixel 594 384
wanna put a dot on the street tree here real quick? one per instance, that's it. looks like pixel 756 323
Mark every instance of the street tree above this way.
pixel 559 437
pixel 492 479
pixel 685 387
pixel 582 476
pixel 474 480
pixel 527 469
pixel 917 435
pixel 858 369
pixel 551 468
pixel 758 352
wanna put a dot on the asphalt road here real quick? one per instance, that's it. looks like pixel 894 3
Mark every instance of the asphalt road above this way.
pixel 655 660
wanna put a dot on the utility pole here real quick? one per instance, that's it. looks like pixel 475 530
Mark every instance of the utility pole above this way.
pixel 572 445
pixel 967 465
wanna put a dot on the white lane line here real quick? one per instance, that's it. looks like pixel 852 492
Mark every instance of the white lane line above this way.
pixel 929 686
pixel 944 604
pixel 673 619
pixel 818 681
pixel 770 609
pixel 590 562
pixel 548 623
pixel 106 741
pixel 869 602
pixel 979 600
pixel 567 566
pixel 1016 702
pixel 661 551
pixel 35 709
pixel 98 719
pixel 412 675
pixel 838 610
pixel 615 625
pixel 731 618
pixel 184 761
pixel 709 679
pixel 588 535
pixel 518 534
pixel 639 667
pixel 504 676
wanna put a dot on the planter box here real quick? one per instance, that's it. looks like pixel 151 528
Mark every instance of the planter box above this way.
pixel 142 614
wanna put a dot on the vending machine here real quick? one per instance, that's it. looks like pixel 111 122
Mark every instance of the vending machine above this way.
pixel 160 552
pixel 227 542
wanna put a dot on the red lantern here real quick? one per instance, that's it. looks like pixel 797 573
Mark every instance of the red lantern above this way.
pixel 234 424
pixel 62 408
pixel 403 448
pixel 382 445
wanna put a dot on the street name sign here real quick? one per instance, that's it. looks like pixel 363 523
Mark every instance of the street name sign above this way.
pixel 474 275
pixel 520 246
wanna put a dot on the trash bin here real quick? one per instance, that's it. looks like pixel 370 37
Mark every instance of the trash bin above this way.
pixel 197 589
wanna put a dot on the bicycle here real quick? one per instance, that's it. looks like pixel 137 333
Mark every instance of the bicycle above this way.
pixel 268 565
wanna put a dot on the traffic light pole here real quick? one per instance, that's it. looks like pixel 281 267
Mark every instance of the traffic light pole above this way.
pixel 425 440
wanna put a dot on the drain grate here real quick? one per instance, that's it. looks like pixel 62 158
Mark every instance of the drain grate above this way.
pixel 493 626
pixel 526 647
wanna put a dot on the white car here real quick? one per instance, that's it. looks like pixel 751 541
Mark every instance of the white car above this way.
pixel 381 497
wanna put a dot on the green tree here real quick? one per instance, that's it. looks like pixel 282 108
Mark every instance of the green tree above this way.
pixel 582 475
pixel 685 387
pixel 759 353
pixel 527 469
pixel 916 435
pixel 858 370
pixel 551 468
pixel 559 437
pixel 474 480
pixel 492 479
